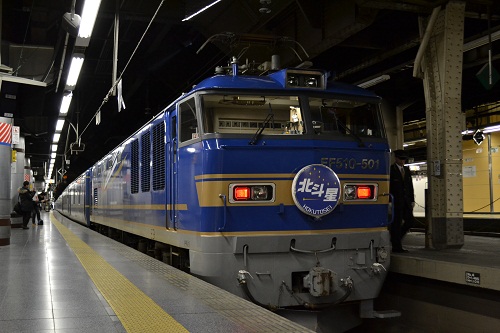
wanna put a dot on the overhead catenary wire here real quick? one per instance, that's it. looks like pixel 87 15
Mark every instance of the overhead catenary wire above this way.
pixel 106 98
pixel 24 41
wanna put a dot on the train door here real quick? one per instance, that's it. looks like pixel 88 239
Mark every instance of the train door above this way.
pixel 70 198
pixel 87 199
pixel 172 146
pixel 182 127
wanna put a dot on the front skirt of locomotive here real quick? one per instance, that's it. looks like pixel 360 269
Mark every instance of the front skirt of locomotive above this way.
pixel 297 271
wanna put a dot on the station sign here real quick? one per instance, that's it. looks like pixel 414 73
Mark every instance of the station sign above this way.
pixel 473 278
pixel 16 133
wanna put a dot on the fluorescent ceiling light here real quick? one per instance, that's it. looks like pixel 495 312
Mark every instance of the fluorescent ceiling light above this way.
pixel 56 137
pixel 374 81
pixel 65 103
pixel 53 155
pixel 74 69
pixel 59 125
pixel 201 10
pixel 416 163
pixel 54 147
pixel 491 129
pixel 89 14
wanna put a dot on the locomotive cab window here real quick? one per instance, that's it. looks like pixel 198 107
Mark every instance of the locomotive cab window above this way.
pixel 246 114
pixel 336 116
pixel 188 120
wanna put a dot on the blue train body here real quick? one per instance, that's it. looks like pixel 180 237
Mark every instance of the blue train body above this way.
pixel 271 187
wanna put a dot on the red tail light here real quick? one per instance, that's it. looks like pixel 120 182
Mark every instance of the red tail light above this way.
pixel 241 193
pixel 364 192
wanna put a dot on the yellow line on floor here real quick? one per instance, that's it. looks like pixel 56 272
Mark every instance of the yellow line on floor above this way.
pixel 136 311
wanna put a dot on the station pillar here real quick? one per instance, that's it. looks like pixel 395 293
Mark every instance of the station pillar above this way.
pixel 441 65
pixel 5 158
pixel 18 167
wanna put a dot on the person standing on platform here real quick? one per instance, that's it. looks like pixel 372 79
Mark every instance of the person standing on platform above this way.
pixel 26 197
pixel 43 202
pixel 36 208
pixel 401 187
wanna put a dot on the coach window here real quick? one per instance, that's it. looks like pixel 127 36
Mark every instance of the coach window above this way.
pixel 188 121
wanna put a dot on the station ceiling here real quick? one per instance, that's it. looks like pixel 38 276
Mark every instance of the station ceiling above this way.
pixel 354 40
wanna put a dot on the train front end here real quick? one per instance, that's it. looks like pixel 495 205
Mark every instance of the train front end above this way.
pixel 291 189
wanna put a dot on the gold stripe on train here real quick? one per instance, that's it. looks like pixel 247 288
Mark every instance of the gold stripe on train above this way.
pixel 140 207
pixel 236 176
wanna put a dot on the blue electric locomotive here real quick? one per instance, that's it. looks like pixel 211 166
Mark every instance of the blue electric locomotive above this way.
pixel 272 187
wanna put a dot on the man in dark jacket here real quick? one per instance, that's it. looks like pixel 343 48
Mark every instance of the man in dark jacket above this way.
pixel 401 187
pixel 26 197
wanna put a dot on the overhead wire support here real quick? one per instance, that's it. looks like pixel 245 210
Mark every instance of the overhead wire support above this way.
pixel 115 83
pixel 116 30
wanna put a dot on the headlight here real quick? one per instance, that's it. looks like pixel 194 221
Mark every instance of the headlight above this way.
pixel 382 254
pixel 366 192
pixel 292 81
pixel 251 193
pixel 312 82
pixel 349 192
pixel 259 192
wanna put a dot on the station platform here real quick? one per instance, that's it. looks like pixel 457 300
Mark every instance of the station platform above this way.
pixel 445 291
pixel 475 224
pixel 476 264
pixel 63 277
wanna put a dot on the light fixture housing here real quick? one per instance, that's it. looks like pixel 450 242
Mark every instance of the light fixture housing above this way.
pixel 360 192
pixel 375 81
pixel 252 193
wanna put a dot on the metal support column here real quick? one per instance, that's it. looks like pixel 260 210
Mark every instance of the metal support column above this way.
pixel 17 178
pixel 5 157
pixel 442 69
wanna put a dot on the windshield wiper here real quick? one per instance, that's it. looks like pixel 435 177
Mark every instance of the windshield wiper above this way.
pixel 348 130
pixel 270 117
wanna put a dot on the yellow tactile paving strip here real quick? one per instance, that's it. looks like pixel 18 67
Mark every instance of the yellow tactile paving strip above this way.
pixel 136 311
pixel 248 316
